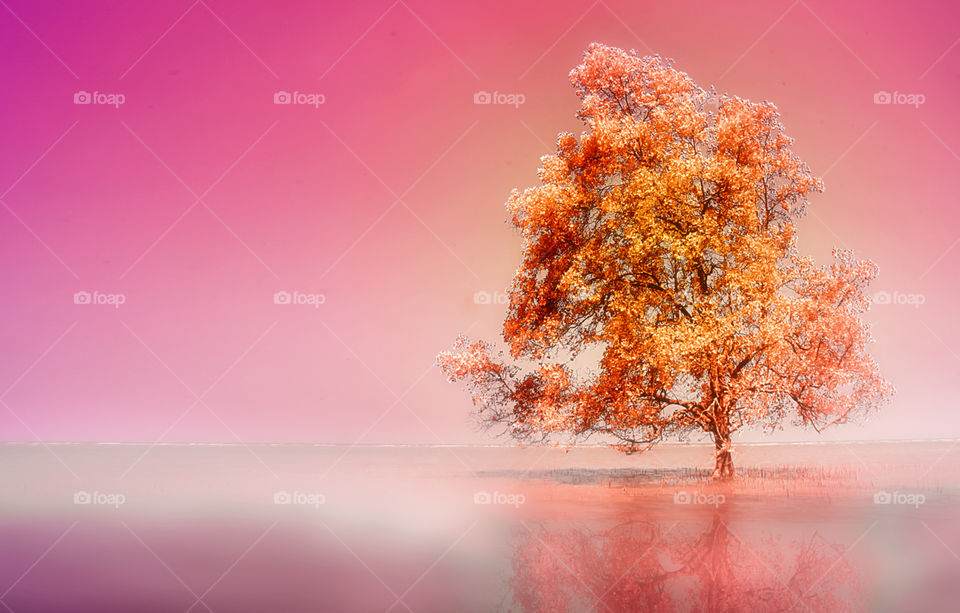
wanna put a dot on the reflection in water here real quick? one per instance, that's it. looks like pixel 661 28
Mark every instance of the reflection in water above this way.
pixel 685 565
pixel 595 534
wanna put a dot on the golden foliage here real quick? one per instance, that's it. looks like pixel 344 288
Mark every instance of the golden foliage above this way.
pixel 665 236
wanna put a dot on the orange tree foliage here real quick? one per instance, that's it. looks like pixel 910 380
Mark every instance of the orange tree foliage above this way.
pixel 663 241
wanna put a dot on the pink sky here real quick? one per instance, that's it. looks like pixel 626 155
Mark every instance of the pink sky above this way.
pixel 388 198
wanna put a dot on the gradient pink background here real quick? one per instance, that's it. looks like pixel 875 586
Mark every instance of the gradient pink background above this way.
pixel 389 198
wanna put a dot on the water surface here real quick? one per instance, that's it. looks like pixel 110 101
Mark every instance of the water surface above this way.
pixel 334 528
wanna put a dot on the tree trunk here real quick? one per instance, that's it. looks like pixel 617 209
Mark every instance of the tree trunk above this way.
pixel 724 467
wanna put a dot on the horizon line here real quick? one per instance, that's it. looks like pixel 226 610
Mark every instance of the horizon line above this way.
pixel 481 445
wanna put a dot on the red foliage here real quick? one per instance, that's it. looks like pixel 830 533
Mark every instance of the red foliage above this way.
pixel 663 239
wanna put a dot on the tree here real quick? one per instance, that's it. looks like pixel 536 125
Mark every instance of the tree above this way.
pixel 660 247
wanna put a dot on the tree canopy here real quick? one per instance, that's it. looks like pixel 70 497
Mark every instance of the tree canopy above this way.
pixel 663 241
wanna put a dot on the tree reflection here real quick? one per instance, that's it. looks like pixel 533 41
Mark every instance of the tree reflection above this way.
pixel 679 566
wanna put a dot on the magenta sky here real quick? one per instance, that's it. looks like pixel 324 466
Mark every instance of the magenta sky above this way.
pixel 388 198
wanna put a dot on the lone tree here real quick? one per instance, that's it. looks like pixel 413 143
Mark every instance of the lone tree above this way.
pixel 661 248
